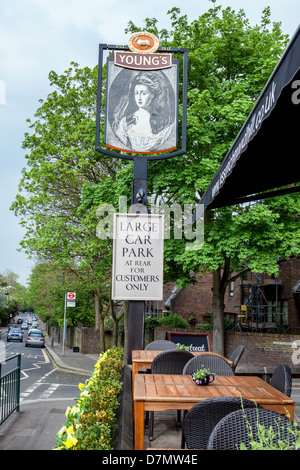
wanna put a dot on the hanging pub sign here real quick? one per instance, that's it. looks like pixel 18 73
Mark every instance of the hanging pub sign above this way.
pixel 138 257
pixel 142 100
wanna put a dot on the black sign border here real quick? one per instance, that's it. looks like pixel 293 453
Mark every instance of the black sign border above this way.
pixel 169 335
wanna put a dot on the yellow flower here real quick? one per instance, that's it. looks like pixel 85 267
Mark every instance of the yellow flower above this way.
pixel 71 441
pixel 61 431
pixel 81 386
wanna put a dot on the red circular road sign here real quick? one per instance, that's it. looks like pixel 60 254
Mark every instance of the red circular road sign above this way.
pixel 71 296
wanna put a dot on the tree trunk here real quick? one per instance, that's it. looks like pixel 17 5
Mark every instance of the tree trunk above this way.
pixel 115 322
pixel 97 311
pixel 218 313
pixel 99 320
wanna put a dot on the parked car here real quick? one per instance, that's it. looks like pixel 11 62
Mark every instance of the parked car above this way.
pixel 34 324
pixel 15 334
pixel 24 326
pixel 19 321
pixel 35 338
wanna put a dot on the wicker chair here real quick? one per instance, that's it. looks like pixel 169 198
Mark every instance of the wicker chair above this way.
pixel 216 364
pixel 200 420
pixel 160 345
pixel 236 355
pixel 282 379
pixel 168 362
pixel 233 429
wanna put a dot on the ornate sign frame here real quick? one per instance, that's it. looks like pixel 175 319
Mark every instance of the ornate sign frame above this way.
pixel 141 50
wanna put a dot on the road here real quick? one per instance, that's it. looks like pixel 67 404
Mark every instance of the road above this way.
pixel 46 392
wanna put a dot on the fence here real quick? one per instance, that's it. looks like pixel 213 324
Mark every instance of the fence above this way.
pixel 10 389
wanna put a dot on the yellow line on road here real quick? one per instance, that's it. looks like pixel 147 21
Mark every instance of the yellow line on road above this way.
pixel 45 356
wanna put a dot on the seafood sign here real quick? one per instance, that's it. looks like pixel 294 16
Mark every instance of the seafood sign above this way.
pixel 138 257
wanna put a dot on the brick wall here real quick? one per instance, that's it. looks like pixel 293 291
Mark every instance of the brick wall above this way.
pixel 261 349
pixel 264 349
pixel 196 299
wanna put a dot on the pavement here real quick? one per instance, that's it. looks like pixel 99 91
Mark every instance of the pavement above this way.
pixel 167 434
pixel 65 358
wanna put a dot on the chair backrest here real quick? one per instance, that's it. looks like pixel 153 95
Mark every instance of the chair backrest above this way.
pixel 236 355
pixel 282 379
pixel 214 363
pixel 203 417
pixel 170 362
pixel 233 429
pixel 160 345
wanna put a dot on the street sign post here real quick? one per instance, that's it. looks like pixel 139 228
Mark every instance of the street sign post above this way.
pixel 141 123
pixel 70 300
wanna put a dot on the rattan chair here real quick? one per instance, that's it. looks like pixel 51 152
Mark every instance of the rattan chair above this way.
pixel 200 420
pixel 214 363
pixel 282 379
pixel 160 345
pixel 236 355
pixel 234 429
pixel 168 362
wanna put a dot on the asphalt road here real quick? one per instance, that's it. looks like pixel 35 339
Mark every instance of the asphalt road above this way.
pixel 46 392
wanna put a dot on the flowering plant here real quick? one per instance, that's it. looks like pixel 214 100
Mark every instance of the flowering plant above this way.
pixel 90 423
pixel 202 376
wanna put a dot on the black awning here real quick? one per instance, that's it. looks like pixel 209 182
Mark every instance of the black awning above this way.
pixel 265 154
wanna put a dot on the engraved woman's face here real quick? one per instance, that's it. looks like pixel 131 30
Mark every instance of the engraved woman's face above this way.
pixel 142 96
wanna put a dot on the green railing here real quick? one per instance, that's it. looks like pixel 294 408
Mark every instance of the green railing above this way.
pixel 10 389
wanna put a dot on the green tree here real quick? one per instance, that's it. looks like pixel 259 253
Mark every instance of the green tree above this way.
pixel 61 159
pixel 46 292
pixel 230 61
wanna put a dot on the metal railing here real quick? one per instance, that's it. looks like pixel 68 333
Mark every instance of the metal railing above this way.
pixel 10 389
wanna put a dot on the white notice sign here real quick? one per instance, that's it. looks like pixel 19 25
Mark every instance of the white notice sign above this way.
pixel 138 257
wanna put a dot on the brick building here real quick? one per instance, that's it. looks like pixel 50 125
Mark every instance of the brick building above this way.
pixel 269 300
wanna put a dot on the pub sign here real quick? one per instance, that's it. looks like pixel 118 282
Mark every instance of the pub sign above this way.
pixel 141 100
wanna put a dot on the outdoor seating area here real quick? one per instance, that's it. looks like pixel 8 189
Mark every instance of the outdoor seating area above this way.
pixel 216 415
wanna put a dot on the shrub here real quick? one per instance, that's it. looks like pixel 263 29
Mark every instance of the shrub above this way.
pixel 173 321
pixel 91 423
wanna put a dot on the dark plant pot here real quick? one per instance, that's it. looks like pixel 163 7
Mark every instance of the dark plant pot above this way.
pixel 204 381
pixel 75 348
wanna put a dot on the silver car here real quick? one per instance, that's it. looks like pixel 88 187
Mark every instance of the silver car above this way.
pixel 35 338
pixel 15 334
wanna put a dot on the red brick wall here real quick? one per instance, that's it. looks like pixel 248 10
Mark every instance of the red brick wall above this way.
pixel 196 299
pixel 261 349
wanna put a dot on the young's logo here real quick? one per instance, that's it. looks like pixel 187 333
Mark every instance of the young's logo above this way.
pixel 143 42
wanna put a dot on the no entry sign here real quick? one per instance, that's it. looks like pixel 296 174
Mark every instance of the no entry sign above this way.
pixel 71 297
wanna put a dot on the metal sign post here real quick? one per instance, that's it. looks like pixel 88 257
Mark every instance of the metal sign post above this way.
pixel 141 123
pixel 70 298
pixel 64 327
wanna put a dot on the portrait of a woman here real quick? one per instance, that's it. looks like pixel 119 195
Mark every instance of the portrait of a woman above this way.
pixel 143 117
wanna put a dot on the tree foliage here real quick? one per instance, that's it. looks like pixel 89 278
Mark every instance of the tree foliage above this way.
pixel 65 181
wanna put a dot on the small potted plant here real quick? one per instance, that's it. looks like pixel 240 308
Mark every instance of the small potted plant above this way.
pixel 182 346
pixel 203 376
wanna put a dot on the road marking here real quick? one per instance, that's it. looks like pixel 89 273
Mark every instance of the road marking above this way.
pixel 45 356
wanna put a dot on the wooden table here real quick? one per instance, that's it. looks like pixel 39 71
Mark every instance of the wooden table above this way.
pixel 178 392
pixel 142 359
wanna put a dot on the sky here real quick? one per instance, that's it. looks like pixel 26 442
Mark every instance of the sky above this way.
pixel 37 36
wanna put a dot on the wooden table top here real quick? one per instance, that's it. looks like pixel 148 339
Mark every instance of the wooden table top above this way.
pixel 181 388
pixel 146 356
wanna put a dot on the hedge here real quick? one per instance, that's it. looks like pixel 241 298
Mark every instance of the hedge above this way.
pixel 91 423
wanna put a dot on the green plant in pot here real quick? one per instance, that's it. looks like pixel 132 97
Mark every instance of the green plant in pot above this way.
pixel 203 376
